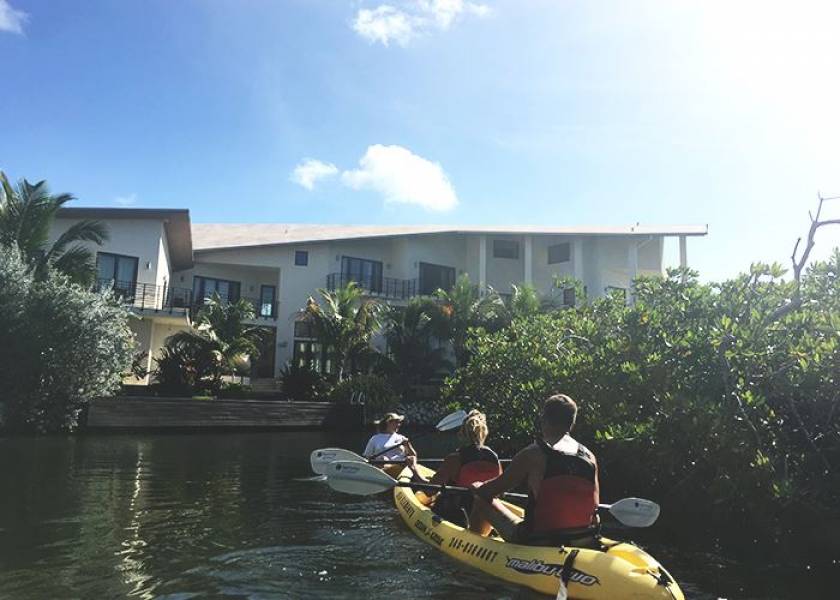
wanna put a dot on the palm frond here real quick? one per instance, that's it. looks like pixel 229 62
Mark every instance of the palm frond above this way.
pixel 77 263
pixel 81 231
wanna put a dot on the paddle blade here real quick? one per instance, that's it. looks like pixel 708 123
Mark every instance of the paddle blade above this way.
pixel 635 512
pixel 452 421
pixel 321 458
pixel 358 478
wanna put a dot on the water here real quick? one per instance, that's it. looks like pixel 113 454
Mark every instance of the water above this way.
pixel 194 515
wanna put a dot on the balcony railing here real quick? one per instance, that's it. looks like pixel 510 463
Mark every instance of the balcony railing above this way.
pixel 159 298
pixel 384 287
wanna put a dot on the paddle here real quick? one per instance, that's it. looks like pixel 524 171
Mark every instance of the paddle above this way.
pixel 319 459
pixel 353 477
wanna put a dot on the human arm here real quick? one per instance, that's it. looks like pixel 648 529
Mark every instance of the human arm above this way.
pixel 448 470
pixel 370 449
pixel 512 477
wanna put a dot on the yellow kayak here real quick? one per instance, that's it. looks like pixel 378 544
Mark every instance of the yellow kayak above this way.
pixel 619 571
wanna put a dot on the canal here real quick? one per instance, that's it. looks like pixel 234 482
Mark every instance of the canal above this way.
pixel 180 516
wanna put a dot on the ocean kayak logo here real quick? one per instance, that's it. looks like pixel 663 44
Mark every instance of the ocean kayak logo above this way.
pixel 538 567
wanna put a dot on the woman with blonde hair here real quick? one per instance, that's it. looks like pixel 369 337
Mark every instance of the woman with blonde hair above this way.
pixel 472 463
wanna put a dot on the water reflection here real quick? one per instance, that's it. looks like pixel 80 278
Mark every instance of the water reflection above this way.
pixel 182 516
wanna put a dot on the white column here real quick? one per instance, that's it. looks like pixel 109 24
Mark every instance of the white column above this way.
pixel 482 264
pixel 577 258
pixel 281 336
pixel 529 260
pixel 632 267
pixel 683 255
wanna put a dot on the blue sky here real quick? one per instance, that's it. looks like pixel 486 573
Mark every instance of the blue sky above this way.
pixel 436 111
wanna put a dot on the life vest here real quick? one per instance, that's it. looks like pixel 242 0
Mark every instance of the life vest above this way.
pixel 477 464
pixel 568 495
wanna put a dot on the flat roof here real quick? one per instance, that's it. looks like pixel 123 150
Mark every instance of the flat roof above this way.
pixel 176 223
pixel 218 236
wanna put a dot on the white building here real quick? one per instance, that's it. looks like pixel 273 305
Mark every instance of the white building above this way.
pixel 167 266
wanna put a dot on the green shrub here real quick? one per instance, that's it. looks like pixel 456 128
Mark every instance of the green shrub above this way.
pixel 374 390
pixel 697 393
pixel 60 347
pixel 302 384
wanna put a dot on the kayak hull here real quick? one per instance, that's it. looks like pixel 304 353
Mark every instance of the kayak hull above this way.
pixel 620 571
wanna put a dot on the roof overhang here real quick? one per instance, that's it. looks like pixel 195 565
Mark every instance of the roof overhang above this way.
pixel 233 236
pixel 176 223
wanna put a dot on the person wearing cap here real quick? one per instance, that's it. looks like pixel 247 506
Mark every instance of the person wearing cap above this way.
pixel 399 448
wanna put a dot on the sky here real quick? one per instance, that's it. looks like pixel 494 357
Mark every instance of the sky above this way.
pixel 482 112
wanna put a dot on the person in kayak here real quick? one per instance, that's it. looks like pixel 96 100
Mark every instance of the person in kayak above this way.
pixel 400 449
pixel 473 462
pixel 562 479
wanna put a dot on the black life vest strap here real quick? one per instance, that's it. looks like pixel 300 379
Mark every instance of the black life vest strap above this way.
pixel 568 566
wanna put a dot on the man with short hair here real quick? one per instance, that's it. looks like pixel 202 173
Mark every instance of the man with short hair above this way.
pixel 562 479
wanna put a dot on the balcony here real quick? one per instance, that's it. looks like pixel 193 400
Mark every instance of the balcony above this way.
pixel 384 287
pixel 172 300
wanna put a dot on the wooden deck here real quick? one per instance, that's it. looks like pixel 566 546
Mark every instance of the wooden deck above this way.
pixel 172 413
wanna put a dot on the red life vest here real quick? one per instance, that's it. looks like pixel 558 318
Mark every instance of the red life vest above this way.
pixel 568 496
pixel 477 464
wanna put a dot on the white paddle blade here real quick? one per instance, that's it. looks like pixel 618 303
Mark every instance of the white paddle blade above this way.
pixel 322 457
pixel 358 478
pixel 635 512
pixel 452 421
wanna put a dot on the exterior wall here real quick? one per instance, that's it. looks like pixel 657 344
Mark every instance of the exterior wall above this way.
pixel 604 262
pixel 250 278
pixel 164 271
pixel 142 329
pixel 130 237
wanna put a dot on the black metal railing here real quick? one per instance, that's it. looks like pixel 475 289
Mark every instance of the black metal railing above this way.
pixel 384 287
pixel 160 298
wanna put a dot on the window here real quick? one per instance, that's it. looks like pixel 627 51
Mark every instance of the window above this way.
pixel 117 271
pixel 435 277
pixel 268 295
pixel 367 273
pixel 304 329
pixel 301 258
pixel 205 287
pixel 569 297
pixel 505 249
pixel 308 352
pixel 612 290
pixel 559 253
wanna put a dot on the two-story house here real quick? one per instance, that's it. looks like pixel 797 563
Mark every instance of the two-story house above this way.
pixel 164 266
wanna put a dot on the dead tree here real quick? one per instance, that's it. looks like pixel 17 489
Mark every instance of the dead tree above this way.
pixel 800 262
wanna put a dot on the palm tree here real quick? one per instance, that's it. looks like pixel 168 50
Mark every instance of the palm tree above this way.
pixel 221 337
pixel 525 301
pixel 464 307
pixel 345 324
pixel 409 331
pixel 26 213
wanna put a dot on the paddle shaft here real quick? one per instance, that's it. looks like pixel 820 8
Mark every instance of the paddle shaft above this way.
pixel 421 460
pixel 436 487
pixel 462 490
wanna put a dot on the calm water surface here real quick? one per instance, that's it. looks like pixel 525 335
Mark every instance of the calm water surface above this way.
pixel 194 515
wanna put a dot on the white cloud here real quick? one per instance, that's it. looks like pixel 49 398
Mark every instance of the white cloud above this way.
pixel 11 19
pixel 402 177
pixel 126 200
pixel 308 172
pixel 412 18
pixel 385 24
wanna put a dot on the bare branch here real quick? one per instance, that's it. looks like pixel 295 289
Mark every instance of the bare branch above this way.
pixel 800 263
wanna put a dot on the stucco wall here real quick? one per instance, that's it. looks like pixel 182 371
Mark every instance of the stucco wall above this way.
pixel 130 237
pixel 604 262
